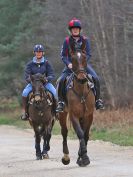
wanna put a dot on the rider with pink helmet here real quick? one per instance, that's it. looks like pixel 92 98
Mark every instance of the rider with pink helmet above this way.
pixel 76 38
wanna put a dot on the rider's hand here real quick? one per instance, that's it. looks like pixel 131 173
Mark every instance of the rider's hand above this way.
pixel 70 65
pixel 28 80
pixel 44 80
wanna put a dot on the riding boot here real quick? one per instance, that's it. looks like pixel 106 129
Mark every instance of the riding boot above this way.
pixel 25 115
pixel 99 103
pixel 60 104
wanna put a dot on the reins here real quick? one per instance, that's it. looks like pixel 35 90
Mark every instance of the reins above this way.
pixel 83 97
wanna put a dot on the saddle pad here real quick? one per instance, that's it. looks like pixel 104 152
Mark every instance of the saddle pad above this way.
pixel 69 82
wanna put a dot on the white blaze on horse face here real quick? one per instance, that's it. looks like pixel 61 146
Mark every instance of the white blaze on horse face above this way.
pixel 79 59
pixel 79 54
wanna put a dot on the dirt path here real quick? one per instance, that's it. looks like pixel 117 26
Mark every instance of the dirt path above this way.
pixel 17 157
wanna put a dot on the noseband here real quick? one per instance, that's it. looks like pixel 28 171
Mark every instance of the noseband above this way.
pixel 76 73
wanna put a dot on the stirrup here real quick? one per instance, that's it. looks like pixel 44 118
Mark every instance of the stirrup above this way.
pixel 99 104
pixel 24 116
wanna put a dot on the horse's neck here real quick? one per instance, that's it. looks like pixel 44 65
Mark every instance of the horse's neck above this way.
pixel 80 88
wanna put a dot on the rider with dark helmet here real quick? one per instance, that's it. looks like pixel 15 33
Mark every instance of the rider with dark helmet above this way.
pixel 38 64
pixel 75 27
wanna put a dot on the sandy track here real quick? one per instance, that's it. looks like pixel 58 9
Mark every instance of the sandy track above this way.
pixel 17 157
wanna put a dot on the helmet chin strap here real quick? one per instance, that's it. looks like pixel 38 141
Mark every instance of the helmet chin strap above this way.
pixel 76 35
pixel 39 58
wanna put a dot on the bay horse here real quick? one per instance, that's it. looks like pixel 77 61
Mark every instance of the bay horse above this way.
pixel 41 115
pixel 79 108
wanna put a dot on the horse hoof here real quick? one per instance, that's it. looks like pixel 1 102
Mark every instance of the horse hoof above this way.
pixel 39 157
pixel 83 161
pixel 45 156
pixel 80 162
pixel 86 160
pixel 65 162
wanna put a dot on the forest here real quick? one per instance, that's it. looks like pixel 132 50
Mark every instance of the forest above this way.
pixel 107 23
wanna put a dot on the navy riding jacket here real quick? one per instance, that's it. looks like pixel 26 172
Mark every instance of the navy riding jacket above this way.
pixel 43 67
pixel 65 49
pixel 66 58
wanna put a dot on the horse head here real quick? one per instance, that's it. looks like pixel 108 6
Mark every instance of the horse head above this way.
pixel 37 81
pixel 79 65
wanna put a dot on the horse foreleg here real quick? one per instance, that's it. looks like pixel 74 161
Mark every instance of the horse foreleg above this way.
pixel 46 145
pixel 86 136
pixel 64 132
pixel 37 145
pixel 83 159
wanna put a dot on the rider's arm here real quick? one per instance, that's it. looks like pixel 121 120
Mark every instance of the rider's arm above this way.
pixel 27 72
pixel 49 72
pixel 64 53
pixel 88 52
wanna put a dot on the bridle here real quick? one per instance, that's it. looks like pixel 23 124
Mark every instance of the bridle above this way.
pixel 76 73
pixel 81 70
pixel 82 82
pixel 38 97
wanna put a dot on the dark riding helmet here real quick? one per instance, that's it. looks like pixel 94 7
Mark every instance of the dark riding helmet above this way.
pixel 74 23
pixel 38 48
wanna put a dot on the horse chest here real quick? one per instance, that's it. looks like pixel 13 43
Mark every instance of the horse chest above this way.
pixel 41 113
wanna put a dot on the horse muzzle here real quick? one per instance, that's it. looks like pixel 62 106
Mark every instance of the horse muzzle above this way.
pixel 81 76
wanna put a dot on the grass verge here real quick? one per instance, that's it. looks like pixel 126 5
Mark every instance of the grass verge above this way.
pixel 123 137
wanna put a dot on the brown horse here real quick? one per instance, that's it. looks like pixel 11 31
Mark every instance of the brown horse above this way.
pixel 80 107
pixel 41 115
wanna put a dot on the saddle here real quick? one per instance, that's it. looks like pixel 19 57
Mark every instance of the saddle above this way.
pixel 69 82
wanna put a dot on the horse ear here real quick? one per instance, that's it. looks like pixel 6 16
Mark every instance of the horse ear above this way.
pixel 71 46
pixel 83 46
pixel 44 75
pixel 84 52
pixel 71 53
